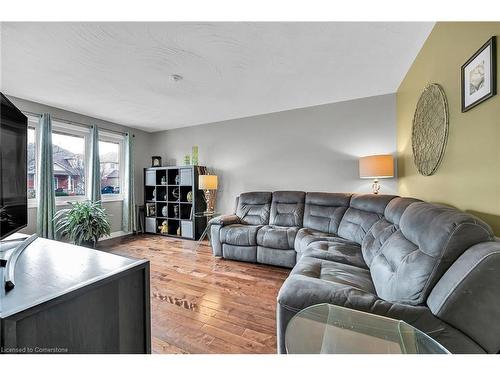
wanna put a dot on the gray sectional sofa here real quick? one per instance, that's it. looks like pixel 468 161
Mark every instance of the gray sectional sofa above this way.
pixel 430 265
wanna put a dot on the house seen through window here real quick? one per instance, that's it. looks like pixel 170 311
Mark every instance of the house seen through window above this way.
pixel 109 156
pixel 68 152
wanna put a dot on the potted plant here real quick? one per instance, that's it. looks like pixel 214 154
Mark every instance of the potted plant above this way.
pixel 83 223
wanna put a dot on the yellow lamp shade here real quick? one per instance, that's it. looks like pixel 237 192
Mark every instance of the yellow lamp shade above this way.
pixel 207 182
pixel 376 166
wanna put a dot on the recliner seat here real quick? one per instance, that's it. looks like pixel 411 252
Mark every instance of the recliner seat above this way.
pixel 323 213
pixel 275 242
pixel 433 266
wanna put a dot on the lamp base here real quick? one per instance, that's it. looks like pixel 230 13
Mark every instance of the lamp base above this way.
pixel 210 201
pixel 375 186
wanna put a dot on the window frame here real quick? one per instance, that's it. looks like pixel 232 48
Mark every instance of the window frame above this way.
pixel 105 136
pixel 33 124
pixel 75 131
pixel 80 131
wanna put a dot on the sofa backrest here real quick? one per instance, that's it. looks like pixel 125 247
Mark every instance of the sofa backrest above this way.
pixel 324 211
pixel 364 211
pixel 384 228
pixel 429 239
pixel 287 208
pixel 254 207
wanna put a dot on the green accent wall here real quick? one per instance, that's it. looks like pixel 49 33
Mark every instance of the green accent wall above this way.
pixel 469 175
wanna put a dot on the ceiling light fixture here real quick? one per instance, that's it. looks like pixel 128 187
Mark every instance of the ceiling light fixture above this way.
pixel 176 77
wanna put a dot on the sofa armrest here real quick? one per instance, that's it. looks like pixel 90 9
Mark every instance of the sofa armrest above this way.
pixel 468 295
pixel 224 220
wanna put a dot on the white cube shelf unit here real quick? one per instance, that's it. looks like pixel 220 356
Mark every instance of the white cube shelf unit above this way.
pixel 166 191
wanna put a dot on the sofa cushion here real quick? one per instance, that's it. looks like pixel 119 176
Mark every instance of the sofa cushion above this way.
pixel 241 253
pixel 239 234
pixel 375 239
pixel 429 239
pixel 336 252
pixel 364 211
pixel 323 211
pixel 276 237
pixel 287 208
pixel 396 208
pixel 385 227
pixel 276 257
pixel 314 281
pixel 306 236
pixel 253 208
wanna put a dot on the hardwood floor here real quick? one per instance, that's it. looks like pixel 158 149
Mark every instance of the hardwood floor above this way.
pixel 203 304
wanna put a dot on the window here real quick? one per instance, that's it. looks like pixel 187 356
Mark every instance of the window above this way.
pixel 31 162
pixel 110 157
pixel 69 146
pixel 68 152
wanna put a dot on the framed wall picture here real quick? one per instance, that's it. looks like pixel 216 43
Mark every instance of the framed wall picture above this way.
pixel 479 76
pixel 156 161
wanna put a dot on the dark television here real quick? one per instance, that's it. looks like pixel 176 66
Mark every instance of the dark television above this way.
pixel 13 155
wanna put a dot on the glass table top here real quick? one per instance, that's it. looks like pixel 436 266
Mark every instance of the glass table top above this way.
pixel 206 214
pixel 330 329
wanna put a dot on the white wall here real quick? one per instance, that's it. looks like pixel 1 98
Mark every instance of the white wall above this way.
pixel 142 156
pixel 310 149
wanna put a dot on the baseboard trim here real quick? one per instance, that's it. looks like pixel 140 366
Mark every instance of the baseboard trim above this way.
pixel 113 238
pixel 119 233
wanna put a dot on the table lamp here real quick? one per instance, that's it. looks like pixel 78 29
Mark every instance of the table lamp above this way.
pixel 208 183
pixel 375 167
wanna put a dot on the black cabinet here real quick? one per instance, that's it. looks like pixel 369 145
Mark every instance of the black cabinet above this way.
pixel 171 198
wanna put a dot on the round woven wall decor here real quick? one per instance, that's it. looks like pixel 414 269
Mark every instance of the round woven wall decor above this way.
pixel 430 129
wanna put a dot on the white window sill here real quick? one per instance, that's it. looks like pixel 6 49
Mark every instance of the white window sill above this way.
pixel 64 201
pixel 111 198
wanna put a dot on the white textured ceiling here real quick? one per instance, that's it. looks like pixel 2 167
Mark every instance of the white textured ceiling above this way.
pixel 122 72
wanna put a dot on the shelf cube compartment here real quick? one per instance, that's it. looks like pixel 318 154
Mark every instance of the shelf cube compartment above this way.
pixel 150 193
pixel 186 176
pixel 187 228
pixel 161 176
pixel 186 211
pixel 173 212
pixel 150 179
pixel 161 193
pixel 160 207
pixel 173 226
pixel 173 177
pixel 150 225
pixel 159 224
pixel 173 193
pixel 184 190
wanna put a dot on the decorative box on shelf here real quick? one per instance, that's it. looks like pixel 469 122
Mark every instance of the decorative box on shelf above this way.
pixel 171 196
